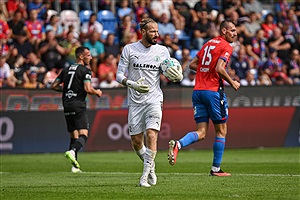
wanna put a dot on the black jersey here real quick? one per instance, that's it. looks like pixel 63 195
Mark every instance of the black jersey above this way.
pixel 73 78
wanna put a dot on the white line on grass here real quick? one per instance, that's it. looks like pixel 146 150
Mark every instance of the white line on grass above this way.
pixel 177 174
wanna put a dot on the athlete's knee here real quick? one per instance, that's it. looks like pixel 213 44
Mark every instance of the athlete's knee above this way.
pixel 201 134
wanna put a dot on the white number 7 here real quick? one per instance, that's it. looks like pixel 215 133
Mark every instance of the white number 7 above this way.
pixel 207 55
pixel 71 79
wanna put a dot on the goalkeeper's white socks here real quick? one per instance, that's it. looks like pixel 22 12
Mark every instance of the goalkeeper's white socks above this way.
pixel 141 152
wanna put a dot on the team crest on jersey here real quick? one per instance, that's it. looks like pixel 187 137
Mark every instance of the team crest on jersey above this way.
pixel 157 58
pixel 227 55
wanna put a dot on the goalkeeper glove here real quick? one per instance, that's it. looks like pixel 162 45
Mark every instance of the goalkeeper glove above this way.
pixel 174 74
pixel 138 85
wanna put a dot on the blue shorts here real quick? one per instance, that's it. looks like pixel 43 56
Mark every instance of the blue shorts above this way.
pixel 209 104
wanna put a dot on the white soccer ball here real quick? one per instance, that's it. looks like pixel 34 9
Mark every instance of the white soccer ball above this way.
pixel 167 63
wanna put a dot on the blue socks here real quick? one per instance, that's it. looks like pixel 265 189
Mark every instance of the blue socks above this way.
pixel 219 146
pixel 188 139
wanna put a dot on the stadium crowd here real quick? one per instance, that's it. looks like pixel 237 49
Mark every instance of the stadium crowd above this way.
pixel 36 44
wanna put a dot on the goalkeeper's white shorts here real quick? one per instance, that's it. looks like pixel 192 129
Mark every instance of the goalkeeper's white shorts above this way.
pixel 141 118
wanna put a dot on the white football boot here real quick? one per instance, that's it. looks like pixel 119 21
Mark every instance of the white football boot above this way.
pixel 152 178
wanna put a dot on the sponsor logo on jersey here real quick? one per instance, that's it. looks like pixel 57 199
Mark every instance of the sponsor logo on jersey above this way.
pixel 204 69
pixel 70 94
pixel 215 41
pixel 145 66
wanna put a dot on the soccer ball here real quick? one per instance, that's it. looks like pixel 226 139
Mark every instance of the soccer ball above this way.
pixel 167 63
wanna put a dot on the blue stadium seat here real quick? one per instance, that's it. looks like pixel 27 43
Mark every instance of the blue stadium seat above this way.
pixel 108 20
pixel 84 15
pixel 184 39
pixel 178 54
pixel 193 53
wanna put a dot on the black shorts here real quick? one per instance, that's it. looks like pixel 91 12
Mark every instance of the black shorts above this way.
pixel 76 120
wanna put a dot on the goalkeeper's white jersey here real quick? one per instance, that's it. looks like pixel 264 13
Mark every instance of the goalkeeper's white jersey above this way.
pixel 138 61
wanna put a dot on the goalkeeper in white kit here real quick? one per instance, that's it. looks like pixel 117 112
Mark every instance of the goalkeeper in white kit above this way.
pixel 138 69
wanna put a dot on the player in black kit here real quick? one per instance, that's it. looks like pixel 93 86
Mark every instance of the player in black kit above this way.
pixel 75 83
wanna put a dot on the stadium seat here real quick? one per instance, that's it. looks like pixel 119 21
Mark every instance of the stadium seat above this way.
pixel 104 34
pixel 84 15
pixel 184 39
pixel 193 53
pixel 108 20
pixel 69 17
pixel 178 54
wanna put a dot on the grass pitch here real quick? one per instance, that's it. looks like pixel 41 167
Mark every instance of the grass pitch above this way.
pixel 272 173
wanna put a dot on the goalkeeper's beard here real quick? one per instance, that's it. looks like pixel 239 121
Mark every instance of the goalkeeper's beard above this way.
pixel 151 41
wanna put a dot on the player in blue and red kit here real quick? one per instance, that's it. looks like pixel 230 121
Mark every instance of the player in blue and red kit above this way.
pixel 209 99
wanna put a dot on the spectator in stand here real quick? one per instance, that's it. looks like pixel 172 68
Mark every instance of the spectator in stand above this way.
pixel 249 79
pixel 215 26
pixel 290 26
pixel 281 9
pixel 165 26
pixel 253 6
pixel 109 81
pixel 159 7
pixel 252 25
pixel 70 44
pixel 36 65
pixel 97 51
pixel 190 79
pixel 111 47
pixel 6 80
pixel 203 5
pixel 230 6
pixel 33 82
pixel 18 72
pixel 17 25
pixel 256 48
pixel 40 6
pixel 88 28
pixel 5 33
pixel 293 69
pixel 279 43
pixel 170 43
pixel 127 31
pixel 201 30
pixel 55 26
pixel 241 65
pixel 125 10
pixel 3 11
pixel 141 8
pixel 14 5
pixel 22 45
pixel 185 61
pixel 105 5
pixel 52 52
pixel 50 77
pixel 109 65
pixel 189 14
pixel 268 25
pixel 296 7
pixel 275 68
pixel 264 80
pixel 35 28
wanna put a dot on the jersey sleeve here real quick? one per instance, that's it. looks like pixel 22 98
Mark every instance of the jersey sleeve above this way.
pixel 123 64
pixel 226 53
pixel 87 76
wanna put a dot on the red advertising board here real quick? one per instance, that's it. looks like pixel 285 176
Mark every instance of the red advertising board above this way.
pixel 247 127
